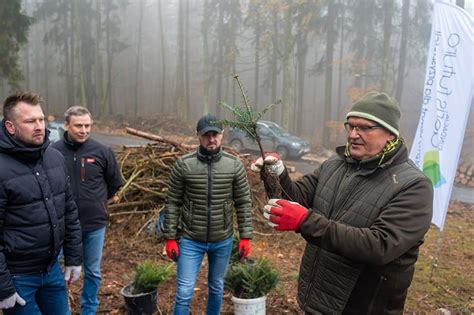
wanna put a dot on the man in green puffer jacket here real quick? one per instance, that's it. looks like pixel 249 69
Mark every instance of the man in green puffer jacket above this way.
pixel 363 213
pixel 205 187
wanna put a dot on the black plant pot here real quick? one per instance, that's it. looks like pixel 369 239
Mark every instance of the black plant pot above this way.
pixel 139 304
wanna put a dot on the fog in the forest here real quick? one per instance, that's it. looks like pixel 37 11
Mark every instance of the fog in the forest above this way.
pixel 178 57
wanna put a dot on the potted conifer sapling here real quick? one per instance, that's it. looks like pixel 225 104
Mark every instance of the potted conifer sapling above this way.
pixel 250 282
pixel 140 295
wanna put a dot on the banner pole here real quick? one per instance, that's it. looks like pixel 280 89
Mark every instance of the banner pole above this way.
pixel 434 263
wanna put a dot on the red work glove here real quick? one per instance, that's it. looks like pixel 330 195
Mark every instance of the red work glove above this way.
pixel 285 215
pixel 243 248
pixel 172 249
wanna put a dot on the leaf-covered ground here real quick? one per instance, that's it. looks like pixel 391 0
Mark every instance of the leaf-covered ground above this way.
pixel 450 285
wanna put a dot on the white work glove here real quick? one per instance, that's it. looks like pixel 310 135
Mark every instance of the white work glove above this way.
pixel 72 273
pixel 11 301
pixel 273 164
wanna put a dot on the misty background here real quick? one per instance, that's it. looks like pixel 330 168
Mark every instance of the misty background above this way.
pixel 138 58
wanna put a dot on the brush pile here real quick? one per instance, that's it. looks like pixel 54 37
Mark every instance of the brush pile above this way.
pixel 146 170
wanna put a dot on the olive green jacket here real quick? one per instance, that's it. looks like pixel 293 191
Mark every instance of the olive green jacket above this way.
pixel 365 225
pixel 203 192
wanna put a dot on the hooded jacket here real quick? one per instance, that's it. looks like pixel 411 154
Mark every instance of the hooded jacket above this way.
pixel 38 215
pixel 365 224
pixel 95 177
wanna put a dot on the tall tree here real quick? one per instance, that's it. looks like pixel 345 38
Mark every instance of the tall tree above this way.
pixel 163 57
pixel 113 44
pixel 13 34
pixel 387 34
pixel 179 91
pixel 206 25
pixel 287 55
pixel 330 40
pixel 99 71
pixel 138 63
pixel 255 21
pixel 403 50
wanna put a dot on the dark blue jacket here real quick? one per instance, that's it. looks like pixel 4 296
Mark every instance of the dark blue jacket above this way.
pixel 38 215
pixel 95 177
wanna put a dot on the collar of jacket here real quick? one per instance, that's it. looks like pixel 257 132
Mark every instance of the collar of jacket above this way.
pixel 70 143
pixel 204 155
pixel 10 145
pixel 400 154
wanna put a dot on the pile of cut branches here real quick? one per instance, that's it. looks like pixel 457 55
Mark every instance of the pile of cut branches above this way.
pixel 146 170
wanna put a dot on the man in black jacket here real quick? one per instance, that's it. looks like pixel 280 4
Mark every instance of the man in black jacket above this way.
pixel 95 178
pixel 38 215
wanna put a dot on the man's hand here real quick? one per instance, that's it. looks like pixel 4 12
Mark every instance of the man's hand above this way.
pixel 272 162
pixel 243 248
pixel 285 215
pixel 172 249
pixel 72 273
pixel 11 301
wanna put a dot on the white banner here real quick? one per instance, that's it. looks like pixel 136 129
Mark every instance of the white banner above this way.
pixel 447 96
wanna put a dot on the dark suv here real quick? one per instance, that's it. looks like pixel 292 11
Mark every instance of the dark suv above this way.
pixel 273 137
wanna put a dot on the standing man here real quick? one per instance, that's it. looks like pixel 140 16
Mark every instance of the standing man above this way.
pixel 363 214
pixel 204 188
pixel 95 178
pixel 38 215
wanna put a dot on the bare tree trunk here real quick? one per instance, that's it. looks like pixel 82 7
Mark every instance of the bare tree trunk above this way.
pixel 301 52
pixel 139 57
pixel 77 30
pixel 163 58
pixel 257 57
pixel 108 42
pixel 341 56
pixel 274 62
pixel 403 50
pixel 329 68
pixel 387 32
pixel 220 59
pixel 99 71
pixel 287 96
pixel 186 62
pixel 205 27
pixel 46 62
pixel 179 88
pixel 73 55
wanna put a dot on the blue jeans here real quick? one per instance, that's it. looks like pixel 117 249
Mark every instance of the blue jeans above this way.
pixel 191 254
pixel 44 293
pixel 92 242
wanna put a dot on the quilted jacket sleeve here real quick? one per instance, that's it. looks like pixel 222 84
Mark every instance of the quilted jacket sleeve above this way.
pixel 242 201
pixel 174 200
pixel 6 285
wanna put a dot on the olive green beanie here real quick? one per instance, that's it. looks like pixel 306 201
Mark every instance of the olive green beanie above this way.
pixel 380 108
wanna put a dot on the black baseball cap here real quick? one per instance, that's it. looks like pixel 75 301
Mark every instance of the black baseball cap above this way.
pixel 208 123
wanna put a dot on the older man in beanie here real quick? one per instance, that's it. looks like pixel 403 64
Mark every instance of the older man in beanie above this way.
pixel 205 187
pixel 363 214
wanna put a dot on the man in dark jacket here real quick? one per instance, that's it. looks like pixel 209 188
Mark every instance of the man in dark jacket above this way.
pixel 38 216
pixel 363 213
pixel 204 188
pixel 95 178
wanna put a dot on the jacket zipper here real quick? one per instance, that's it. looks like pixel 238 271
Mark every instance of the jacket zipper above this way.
pixel 209 185
pixel 83 169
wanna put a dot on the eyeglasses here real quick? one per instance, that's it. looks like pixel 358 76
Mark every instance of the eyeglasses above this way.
pixel 360 129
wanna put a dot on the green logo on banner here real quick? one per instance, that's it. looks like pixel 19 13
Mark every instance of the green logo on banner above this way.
pixel 431 168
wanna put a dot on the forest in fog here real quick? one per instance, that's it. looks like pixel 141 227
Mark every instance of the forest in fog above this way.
pixel 178 57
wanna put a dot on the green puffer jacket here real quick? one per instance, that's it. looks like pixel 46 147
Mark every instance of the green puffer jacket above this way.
pixel 203 192
pixel 365 226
